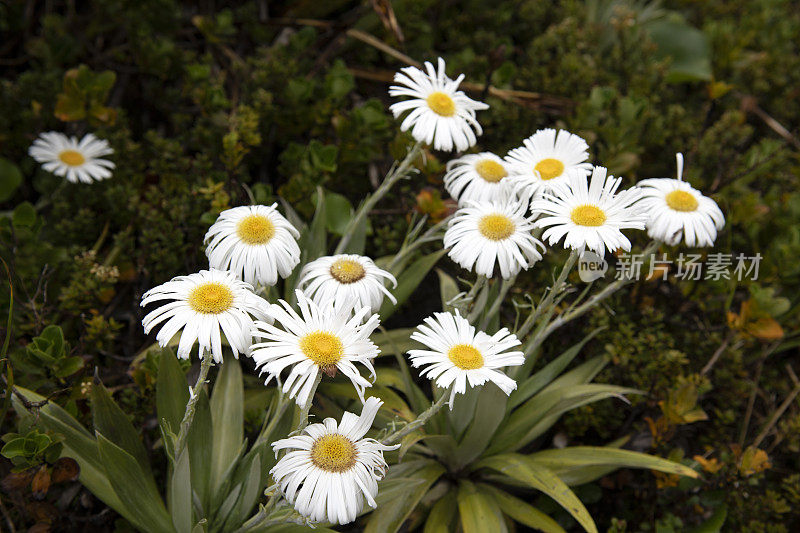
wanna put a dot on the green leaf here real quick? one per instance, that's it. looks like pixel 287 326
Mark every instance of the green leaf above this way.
pixel 491 408
pixel 538 414
pixel 545 376
pixel 14 448
pixel 408 281
pixel 521 511
pixel 70 107
pixel 441 515
pixel 292 216
pixel 338 212
pixel 448 287
pixel 225 508
pixel 67 366
pixel 79 444
pixel 111 422
pixel 172 390
pixel 315 237
pixel 137 491
pixel 10 179
pixel 227 419
pixel 580 456
pixel 200 450
pixel 479 513
pixel 180 494
pixel 715 523
pixel 323 156
pixel 395 341
pixel 687 47
pixel 24 215
pixel 391 400
pixel 534 475
pixel 251 489
pixel 358 238
pixel 397 497
pixel 462 413
pixel 313 243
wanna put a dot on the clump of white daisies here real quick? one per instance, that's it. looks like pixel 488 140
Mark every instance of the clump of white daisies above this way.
pixel 544 189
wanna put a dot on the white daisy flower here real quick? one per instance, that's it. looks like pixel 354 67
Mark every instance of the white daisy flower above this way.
pixel 78 161
pixel 676 209
pixel 255 242
pixel 590 214
pixel 545 159
pixel 485 234
pixel 459 355
pixel 324 339
pixel 351 280
pixel 201 305
pixel 331 468
pixel 478 177
pixel 441 115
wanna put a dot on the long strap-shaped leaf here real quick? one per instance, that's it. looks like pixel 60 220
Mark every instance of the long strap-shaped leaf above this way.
pixel 479 512
pixel 398 496
pixel 137 491
pixel 550 372
pixel 578 456
pixel 408 281
pixel 539 477
pixel 80 445
pixel 521 511
pixel 538 414
pixel 227 420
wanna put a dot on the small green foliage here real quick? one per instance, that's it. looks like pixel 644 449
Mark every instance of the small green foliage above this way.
pixel 49 354
pixel 31 449
pixel 83 96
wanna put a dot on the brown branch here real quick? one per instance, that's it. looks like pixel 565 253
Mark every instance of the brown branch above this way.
pixel 767 351
pixel 750 104
pixel 779 413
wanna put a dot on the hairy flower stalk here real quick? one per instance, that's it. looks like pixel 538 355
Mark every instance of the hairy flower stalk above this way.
pixel 395 174
pixel 418 422
pixel 432 234
pixel 495 308
pixel 188 416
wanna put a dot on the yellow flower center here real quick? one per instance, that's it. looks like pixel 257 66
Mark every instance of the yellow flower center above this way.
pixel 347 271
pixel 324 348
pixel 333 453
pixel 681 201
pixel 211 298
pixel 496 227
pixel 549 168
pixel 72 158
pixel 490 170
pixel 441 104
pixel 588 215
pixel 465 357
pixel 255 229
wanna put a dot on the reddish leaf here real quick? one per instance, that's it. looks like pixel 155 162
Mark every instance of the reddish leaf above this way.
pixel 41 482
pixel 65 469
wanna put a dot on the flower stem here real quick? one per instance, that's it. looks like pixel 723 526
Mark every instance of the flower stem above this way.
pixel 418 422
pixel 592 302
pixel 274 418
pixel 307 407
pixel 431 234
pixel 191 405
pixel 547 301
pixel 393 177
pixel 470 297
pixel 495 308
